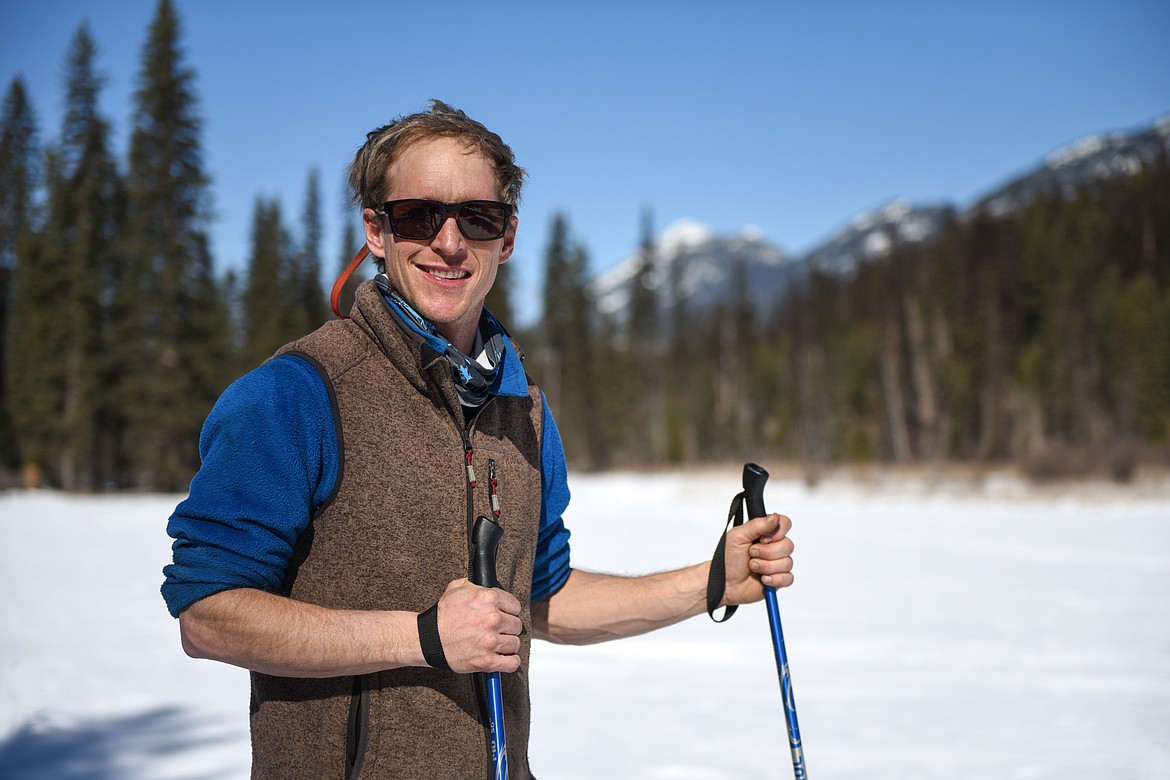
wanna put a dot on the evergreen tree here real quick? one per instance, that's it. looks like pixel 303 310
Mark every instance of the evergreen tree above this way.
pixel 556 320
pixel 19 170
pixel 272 313
pixel 566 363
pixel 58 348
pixel 19 174
pixel 556 323
pixel 87 208
pixel 307 296
pixel 650 443
pixel 171 327
pixel 643 325
pixel 678 398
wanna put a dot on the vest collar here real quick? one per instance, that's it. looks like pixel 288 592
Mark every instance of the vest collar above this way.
pixel 372 312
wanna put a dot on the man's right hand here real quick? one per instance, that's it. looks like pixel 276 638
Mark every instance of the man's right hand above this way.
pixel 479 628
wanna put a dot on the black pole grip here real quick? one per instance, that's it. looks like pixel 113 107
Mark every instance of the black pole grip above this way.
pixel 485 541
pixel 754 478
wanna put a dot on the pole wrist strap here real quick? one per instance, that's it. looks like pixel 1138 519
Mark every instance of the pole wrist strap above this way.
pixel 717 578
pixel 428 637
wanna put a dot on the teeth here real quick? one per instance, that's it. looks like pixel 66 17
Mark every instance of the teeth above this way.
pixel 444 274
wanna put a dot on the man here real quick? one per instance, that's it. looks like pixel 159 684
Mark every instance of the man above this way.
pixel 324 543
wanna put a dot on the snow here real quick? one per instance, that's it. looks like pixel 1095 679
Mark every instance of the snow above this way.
pixel 896 209
pixel 678 237
pixel 938 629
pixel 877 244
pixel 681 235
pixel 1079 150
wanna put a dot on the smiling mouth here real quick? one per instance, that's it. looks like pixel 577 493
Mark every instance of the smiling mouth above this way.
pixel 447 273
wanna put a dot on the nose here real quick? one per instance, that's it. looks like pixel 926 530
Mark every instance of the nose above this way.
pixel 448 240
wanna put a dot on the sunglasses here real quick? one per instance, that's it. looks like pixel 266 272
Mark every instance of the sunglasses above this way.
pixel 417 219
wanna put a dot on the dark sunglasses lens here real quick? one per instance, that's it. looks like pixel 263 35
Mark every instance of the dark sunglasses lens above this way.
pixel 416 219
pixel 483 221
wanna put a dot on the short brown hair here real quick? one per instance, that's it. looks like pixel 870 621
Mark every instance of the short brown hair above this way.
pixel 367 172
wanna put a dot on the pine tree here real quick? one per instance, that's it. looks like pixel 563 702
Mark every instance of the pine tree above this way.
pixel 19 175
pixel 643 323
pixel 650 443
pixel 567 358
pixel 171 329
pixel 19 170
pixel 272 313
pixel 555 321
pixel 37 334
pixel 308 298
pixel 87 210
pixel 58 347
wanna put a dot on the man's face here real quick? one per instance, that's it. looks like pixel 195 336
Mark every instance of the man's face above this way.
pixel 445 278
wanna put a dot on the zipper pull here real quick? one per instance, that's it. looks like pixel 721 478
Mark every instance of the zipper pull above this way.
pixel 493 489
pixel 470 468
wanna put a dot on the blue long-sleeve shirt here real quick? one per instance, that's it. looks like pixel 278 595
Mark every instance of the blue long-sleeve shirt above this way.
pixel 270 460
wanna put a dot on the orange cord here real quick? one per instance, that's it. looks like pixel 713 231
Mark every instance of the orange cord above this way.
pixel 335 296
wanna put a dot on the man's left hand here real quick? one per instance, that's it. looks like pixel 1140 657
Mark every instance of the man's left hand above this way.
pixel 757 553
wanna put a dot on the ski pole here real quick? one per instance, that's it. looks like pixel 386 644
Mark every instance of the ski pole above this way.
pixel 485 540
pixel 754 478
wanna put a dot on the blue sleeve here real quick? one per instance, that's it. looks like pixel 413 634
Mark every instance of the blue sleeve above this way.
pixel 551 569
pixel 270 458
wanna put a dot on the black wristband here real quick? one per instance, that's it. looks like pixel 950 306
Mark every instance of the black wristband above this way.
pixel 428 637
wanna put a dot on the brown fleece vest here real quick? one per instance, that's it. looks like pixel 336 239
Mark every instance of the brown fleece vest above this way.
pixel 394 535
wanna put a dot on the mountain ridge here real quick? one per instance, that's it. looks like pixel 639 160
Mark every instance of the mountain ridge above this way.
pixel 706 262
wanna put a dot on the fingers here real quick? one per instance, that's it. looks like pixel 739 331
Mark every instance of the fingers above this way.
pixel 778 574
pixel 759 552
pixel 766 550
pixel 767 528
pixel 770 557
pixel 480 628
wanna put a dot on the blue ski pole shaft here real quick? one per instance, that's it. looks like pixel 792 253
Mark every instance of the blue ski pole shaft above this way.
pixel 485 540
pixel 496 714
pixel 754 478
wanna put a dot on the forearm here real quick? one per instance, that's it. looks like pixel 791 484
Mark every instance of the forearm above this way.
pixel 275 635
pixel 594 607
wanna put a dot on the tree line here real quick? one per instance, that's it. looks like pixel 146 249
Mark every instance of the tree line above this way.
pixel 118 335
pixel 1039 337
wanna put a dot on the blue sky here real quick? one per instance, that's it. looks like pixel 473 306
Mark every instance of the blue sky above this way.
pixel 788 117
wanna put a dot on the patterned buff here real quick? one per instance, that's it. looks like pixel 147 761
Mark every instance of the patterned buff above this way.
pixel 473 379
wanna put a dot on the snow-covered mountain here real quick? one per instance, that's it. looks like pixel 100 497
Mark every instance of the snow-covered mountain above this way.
pixel 708 263
pixel 1093 158
pixel 701 266
pixel 871 235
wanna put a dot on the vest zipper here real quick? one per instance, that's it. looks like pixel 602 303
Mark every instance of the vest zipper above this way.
pixel 476 681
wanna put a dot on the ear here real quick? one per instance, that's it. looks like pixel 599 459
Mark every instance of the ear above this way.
pixel 372 222
pixel 509 244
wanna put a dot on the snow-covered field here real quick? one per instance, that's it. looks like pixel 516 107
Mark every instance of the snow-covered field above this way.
pixel 938 630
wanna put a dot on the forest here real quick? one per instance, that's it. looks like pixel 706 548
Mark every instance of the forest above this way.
pixel 1037 338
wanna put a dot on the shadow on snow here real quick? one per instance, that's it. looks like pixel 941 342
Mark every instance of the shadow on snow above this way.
pixel 110 749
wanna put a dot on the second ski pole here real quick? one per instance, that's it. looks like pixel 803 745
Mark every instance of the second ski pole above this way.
pixel 754 478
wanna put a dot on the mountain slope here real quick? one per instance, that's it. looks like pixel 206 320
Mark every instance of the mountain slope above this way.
pixel 701 266
pixel 707 263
